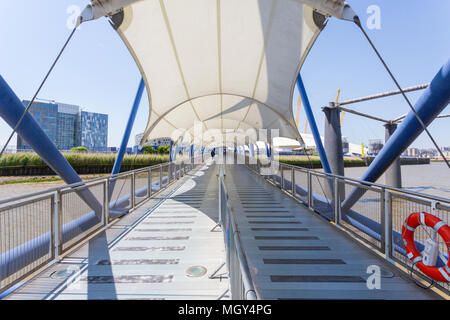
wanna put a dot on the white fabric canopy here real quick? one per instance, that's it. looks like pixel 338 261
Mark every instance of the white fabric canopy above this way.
pixel 230 64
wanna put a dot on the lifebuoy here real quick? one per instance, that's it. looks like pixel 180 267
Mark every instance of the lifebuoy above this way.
pixel 441 274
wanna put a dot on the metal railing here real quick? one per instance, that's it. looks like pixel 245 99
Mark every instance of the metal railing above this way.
pixel 38 228
pixel 376 218
pixel 241 285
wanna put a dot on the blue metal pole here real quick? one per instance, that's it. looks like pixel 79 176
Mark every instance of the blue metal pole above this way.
pixel 11 110
pixel 251 150
pixel 313 125
pixel 127 133
pixel 171 151
pixel 433 100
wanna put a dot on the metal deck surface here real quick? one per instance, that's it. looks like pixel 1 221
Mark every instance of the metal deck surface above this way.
pixel 146 254
pixel 294 254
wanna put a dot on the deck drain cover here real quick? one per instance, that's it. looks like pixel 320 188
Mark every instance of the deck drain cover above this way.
pixel 103 263
pixel 196 271
pixel 64 273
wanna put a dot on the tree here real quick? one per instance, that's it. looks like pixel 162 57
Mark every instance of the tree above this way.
pixel 149 150
pixel 163 149
pixel 79 149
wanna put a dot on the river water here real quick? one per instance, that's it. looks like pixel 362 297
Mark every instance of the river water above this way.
pixel 433 178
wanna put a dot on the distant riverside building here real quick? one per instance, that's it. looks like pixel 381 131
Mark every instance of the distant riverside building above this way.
pixel 412 152
pixel 164 141
pixel 375 146
pixel 68 126
pixel 345 145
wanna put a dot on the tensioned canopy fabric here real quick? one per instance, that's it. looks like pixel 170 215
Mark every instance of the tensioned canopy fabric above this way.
pixel 229 64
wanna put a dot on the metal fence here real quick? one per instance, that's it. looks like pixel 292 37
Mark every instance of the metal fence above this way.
pixel 241 284
pixel 376 218
pixel 37 228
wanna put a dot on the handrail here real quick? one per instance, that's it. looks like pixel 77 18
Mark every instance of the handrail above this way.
pixel 247 282
pixel 362 182
pixel 77 184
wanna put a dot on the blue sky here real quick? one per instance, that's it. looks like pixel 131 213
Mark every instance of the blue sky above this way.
pixel 97 72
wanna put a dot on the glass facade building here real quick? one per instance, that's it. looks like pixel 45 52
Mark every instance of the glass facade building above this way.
pixel 94 131
pixel 45 113
pixel 67 126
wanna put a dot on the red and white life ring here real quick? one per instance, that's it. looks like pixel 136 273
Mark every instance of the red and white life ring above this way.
pixel 441 274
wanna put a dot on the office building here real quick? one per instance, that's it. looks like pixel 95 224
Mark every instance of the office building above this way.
pixel 68 126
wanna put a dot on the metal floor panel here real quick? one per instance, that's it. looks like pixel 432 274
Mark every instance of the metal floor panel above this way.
pixel 146 254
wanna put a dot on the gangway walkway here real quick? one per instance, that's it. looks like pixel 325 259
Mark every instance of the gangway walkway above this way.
pixel 294 254
pixel 291 252
pixel 146 254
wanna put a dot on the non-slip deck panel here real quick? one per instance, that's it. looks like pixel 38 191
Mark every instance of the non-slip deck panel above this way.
pixel 303 261
pixel 158 238
pixel 345 279
pixel 286 238
pixel 131 262
pixel 295 248
pixel 273 222
pixel 128 279
pixel 279 229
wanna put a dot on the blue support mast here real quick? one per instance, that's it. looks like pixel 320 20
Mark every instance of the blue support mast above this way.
pixel 313 125
pixel 129 127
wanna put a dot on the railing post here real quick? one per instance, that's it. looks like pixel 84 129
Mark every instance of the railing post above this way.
pixel 387 225
pixel 383 219
pixel 106 202
pixel 273 172
pixel 55 227
pixel 282 177
pixel 133 188
pixel 58 222
pixel 149 188
pixel 160 177
pixel 337 201
pixel 169 173
pixel 309 189
pixel 293 181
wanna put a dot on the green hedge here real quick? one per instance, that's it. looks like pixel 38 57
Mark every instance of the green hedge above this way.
pixel 314 161
pixel 81 159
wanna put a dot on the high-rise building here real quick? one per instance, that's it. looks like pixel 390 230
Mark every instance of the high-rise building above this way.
pixel 67 118
pixel 93 130
pixel 67 126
